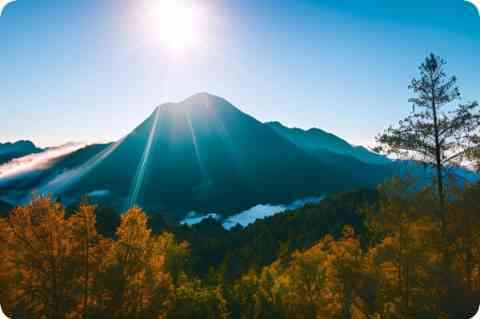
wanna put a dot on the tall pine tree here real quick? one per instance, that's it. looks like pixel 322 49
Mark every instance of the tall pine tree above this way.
pixel 435 133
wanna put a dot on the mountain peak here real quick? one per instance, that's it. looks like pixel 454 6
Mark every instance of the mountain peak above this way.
pixel 201 104
pixel 205 99
pixel 205 154
pixel 202 96
pixel 197 99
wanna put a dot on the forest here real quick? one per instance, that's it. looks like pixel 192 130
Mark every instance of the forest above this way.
pixel 408 249
pixel 365 254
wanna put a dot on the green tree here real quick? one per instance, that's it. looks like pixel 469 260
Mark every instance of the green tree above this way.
pixel 435 133
pixel 195 300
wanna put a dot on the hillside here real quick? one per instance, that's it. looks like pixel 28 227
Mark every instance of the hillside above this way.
pixel 9 151
pixel 201 155
pixel 314 140
pixel 205 154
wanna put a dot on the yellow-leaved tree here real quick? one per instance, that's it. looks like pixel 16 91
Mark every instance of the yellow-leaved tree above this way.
pixel 40 249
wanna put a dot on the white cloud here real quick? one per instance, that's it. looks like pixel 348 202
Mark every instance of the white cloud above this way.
pixel 27 166
pixel 3 5
pixel 64 180
pixel 262 211
pixel 99 193
pixel 249 216
pixel 195 218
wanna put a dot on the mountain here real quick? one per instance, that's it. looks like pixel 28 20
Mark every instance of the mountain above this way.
pixel 315 140
pixel 202 154
pixel 9 151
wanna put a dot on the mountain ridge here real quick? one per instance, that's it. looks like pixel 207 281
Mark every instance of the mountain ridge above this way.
pixel 314 139
pixel 11 150
pixel 203 154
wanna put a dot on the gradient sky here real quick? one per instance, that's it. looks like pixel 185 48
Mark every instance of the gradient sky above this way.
pixel 88 70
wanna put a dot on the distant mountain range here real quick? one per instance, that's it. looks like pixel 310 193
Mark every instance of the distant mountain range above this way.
pixel 204 154
pixel 317 140
pixel 9 151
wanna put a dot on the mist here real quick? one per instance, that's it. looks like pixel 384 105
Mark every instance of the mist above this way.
pixel 246 217
pixel 31 165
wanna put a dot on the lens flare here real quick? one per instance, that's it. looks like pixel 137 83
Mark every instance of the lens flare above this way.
pixel 139 176
pixel 196 148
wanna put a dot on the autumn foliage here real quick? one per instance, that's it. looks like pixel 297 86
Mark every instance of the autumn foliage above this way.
pixel 57 265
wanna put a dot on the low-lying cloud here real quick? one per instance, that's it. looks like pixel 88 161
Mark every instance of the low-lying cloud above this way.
pixel 262 211
pixel 195 218
pixel 250 215
pixel 99 193
pixel 64 180
pixel 33 164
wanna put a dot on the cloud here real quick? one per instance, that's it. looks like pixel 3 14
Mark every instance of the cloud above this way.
pixel 195 218
pixel 33 164
pixel 64 180
pixel 3 5
pixel 250 215
pixel 262 211
pixel 99 193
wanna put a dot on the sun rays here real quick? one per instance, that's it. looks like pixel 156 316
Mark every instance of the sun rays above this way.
pixel 184 120
pixel 64 181
pixel 196 147
pixel 140 174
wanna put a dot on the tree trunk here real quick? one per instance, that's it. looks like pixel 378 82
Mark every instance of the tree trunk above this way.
pixel 445 263
pixel 438 155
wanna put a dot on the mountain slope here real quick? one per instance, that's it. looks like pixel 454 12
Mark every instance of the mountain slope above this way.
pixel 315 139
pixel 205 154
pixel 9 151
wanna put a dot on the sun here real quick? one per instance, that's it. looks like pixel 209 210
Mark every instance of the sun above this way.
pixel 174 24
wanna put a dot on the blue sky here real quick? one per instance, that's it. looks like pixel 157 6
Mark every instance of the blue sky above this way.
pixel 88 70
